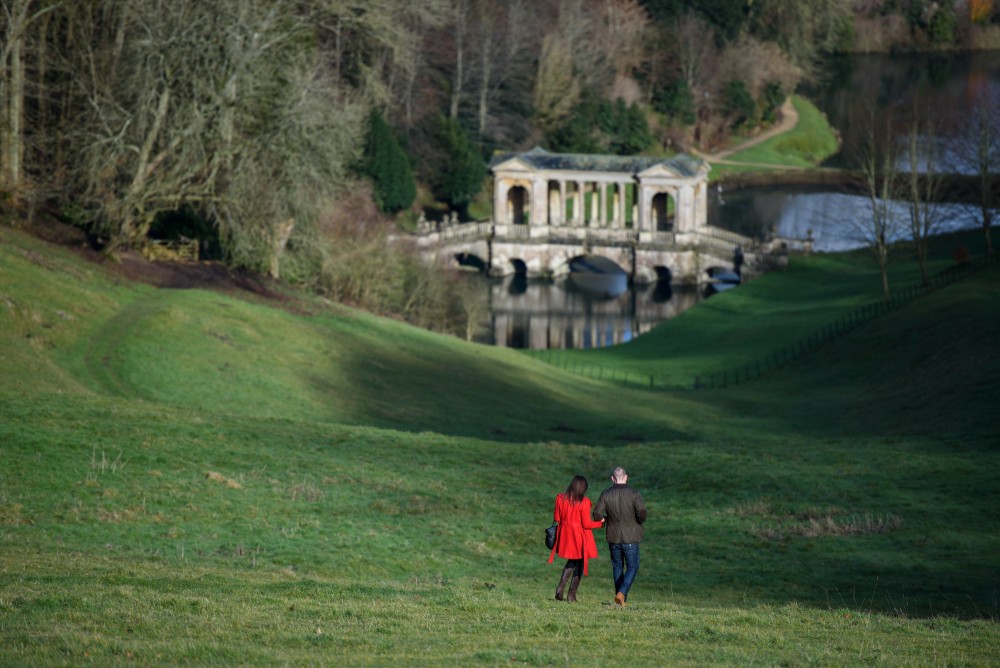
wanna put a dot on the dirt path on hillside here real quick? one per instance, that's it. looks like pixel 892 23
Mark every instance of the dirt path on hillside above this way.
pixel 789 119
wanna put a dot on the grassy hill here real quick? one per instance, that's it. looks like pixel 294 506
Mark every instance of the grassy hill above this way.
pixel 202 476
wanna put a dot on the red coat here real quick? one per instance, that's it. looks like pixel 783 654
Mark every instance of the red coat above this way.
pixel 574 539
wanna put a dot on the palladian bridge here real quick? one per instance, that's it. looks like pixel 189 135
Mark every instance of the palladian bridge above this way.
pixel 647 215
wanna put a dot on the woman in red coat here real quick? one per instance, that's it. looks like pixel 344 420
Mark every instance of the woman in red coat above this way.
pixel 574 538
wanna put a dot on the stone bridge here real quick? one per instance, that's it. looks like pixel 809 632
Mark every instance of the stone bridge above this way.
pixel 546 252
pixel 648 215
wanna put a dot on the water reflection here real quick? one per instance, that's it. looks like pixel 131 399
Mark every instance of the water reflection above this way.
pixel 580 313
pixel 952 82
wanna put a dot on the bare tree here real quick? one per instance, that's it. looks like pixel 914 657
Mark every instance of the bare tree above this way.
pixel 693 48
pixel 459 74
pixel 623 34
pixel 880 230
pixel 924 185
pixel 17 17
pixel 804 29
pixel 557 88
pixel 501 40
pixel 223 107
pixel 978 150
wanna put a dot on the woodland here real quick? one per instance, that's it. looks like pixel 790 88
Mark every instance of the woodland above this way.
pixel 290 138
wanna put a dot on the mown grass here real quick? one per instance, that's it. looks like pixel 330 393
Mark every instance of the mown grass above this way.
pixel 192 477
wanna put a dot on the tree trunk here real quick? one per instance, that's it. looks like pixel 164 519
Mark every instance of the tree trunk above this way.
pixel 458 80
pixel 281 236
pixel 12 97
pixel 135 223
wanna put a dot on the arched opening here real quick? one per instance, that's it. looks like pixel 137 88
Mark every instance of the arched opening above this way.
pixel 663 274
pixel 597 276
pixel 722 276
pixel 520 268
pixel 663 212
pixel 470 262
pixel 517 205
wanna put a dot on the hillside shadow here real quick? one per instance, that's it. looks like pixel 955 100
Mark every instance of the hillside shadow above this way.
pixel 872 582
pixel 484 397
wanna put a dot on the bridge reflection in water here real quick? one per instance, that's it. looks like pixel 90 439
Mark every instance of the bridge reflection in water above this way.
pixel 577 314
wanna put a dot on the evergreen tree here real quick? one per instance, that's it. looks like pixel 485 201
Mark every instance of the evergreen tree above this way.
pixel 676 101
pixel 388 167
pixel 629 132
pixel 600 126
pixel 459 176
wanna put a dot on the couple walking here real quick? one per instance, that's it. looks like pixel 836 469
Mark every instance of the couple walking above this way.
pixel 621 511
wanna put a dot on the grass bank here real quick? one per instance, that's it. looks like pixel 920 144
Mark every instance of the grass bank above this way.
pixel 195 477
pixel 811 141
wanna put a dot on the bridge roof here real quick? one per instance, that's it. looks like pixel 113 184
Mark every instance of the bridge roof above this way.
pixel 538 158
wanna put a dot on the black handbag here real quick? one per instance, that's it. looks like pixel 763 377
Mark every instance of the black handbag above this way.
pixel 550 536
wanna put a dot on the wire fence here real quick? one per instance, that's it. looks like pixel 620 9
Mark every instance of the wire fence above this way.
pixel 780 357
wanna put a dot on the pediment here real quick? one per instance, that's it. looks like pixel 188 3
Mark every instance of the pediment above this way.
pixel 662 170
pixel 514 165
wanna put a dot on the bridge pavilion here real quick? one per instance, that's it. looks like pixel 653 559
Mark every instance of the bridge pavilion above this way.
pixel 645 194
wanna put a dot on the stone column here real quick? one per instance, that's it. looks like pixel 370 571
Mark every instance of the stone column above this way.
pixel 684 210
pixel 642 198
pixel 701 205
pixel 623 205
pixel 539 202
pixel 500 190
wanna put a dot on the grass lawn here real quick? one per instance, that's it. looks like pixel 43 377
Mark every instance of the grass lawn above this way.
pixel 192 477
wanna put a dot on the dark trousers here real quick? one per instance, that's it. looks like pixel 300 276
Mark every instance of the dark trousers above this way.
pixel 576 565
pixel 624 565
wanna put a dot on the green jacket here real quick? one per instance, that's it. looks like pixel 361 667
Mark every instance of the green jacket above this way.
pixel 625 513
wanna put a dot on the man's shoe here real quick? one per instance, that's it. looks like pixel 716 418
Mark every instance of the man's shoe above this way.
pixel 620 599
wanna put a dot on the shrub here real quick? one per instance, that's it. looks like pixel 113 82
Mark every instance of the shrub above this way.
pixel 941 27
pixel 773 97
pixel 737 104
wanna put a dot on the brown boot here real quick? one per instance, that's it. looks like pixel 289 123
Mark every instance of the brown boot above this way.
pixel 566 575
pixel 573 586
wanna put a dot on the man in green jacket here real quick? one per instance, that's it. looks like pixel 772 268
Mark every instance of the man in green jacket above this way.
pixel 625 512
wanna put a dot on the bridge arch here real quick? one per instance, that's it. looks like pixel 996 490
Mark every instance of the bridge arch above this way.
pixel 466 260
pixel 663 273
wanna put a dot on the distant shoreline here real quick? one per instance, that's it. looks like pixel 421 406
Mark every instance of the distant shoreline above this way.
pixel 955 188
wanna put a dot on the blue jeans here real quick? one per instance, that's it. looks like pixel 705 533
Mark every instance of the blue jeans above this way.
pixel 629 552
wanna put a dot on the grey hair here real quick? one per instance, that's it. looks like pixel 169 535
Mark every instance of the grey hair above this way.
pixel 618 475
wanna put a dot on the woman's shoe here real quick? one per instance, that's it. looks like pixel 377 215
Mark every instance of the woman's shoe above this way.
pixel 573 586
pixel 566 574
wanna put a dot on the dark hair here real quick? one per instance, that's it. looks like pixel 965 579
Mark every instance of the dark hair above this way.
pixel 577 488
